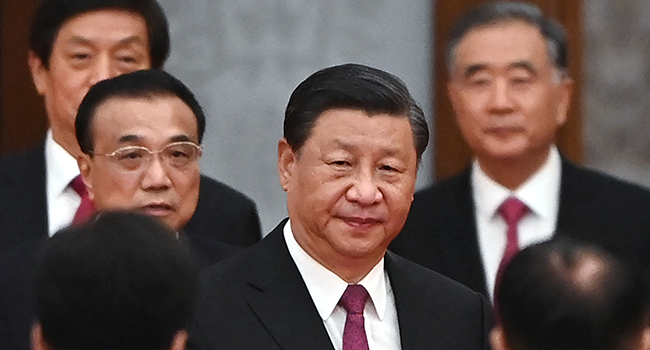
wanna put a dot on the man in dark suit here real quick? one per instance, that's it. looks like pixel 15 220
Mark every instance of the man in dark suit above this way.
pixel 510 90
pixel 323 279
pixel 73 45
pixel 567 295
pixel 140 134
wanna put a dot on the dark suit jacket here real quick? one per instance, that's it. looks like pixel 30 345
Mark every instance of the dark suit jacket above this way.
pixel 225 220
pixel 258 300
pixel 440 232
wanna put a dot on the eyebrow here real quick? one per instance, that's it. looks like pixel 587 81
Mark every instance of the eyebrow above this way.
pixel 474 68
pixel 385 152
pixel 132 138
pixel 526 65
pixel 134 39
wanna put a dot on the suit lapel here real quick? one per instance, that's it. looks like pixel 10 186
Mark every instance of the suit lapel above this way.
pixel 280 299
pixel 24 198
pixel 460 242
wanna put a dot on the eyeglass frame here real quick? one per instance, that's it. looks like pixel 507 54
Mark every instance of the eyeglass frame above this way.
pixel 152 154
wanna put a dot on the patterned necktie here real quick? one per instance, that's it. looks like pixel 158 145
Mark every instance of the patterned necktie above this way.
pixel 353 301
pixel 512 210
pixel 86 208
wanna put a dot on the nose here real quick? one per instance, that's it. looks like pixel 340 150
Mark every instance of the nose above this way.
pixel 364 190
pixel 500 99
pixel 155 177
pixel 102 70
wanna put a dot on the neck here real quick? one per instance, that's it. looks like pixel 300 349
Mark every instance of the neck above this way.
pixel 511 173
pixel 68 142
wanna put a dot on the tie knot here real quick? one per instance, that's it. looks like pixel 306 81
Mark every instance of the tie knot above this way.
pixel 354 299
pixel 512 210
pixel 78 186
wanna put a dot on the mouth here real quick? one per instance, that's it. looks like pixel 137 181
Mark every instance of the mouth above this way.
pixel 361 221
pixel 159 209
pixel 504 131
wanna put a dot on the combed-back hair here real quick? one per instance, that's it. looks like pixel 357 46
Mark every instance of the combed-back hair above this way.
pixel 139 84
pixel 51 15
pixel 506 11
pixel 351 86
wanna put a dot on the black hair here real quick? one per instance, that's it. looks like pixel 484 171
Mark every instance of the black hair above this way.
pixel 351 86
pixel 51 15
pixel 568 295
pixel 138 84
pixel 504 11
pixel 120 281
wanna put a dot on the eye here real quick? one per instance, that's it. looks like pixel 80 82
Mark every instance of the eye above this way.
pixel 127 59
pixel 130 154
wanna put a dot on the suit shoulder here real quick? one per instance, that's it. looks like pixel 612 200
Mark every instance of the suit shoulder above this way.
pixel 603 183
pixel 427 279
pixel 25 162
pixel 219 190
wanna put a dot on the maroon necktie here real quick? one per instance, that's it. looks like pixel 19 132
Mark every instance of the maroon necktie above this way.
pixel 512 210
pixel 86 208
pixel 353 301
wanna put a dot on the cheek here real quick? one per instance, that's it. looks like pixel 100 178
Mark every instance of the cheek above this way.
pixel 113 191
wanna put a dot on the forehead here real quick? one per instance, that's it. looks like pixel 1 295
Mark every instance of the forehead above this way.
pixel 501 44
pixel 354 128
pixel 105 25
pixel 156 116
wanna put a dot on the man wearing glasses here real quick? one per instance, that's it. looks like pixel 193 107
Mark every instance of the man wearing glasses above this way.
pixel 140 136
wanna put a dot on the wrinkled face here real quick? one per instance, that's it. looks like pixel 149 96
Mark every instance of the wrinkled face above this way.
pixel 157 188
pixel 508 97
pixel 350 187
pixel 88 48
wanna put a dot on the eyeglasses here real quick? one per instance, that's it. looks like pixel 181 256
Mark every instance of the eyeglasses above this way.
pixel 177 155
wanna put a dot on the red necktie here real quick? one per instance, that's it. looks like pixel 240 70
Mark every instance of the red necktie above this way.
pixel 512 210
pixel 353 301
pixel 86 208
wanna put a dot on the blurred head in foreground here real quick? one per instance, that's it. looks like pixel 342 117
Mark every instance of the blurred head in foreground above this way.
pixel 121 281
pixel 566 295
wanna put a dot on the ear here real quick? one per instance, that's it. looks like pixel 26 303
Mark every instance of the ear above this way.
pixel 452 93
pixel 180 338
pixel 645 339
pixel 286 159
pixel 85 166
pixel 498 339
pixel 37 338
pixel 566 91
pixel 39 72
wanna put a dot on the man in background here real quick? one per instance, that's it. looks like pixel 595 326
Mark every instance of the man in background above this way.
pixel 568 295
pixel 121 281
pixel 510 90
pixel 140 135
pixel 73 45
pixel 353 137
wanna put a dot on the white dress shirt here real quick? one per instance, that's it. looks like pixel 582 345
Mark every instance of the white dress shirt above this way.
pixel 326 289
pixel 540 193
pixel 62 200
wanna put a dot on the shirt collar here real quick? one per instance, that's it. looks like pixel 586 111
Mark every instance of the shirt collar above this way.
pixel 326 288
pixel 60 166
pixel 539 192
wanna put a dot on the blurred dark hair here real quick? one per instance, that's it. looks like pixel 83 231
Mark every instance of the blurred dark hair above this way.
pixel 121 281
pixel 567 295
